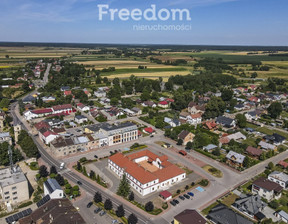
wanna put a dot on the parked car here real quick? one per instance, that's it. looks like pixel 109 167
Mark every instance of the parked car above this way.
pixel 151 136
pixel 95 156
pixel 173 203
pixel 89 204
pixel 176 201
pixel 182 198
pixel 102 213
pixel 114 221
pixel 191 194
pixel 182 152
pixel 97 210
pixel 186 196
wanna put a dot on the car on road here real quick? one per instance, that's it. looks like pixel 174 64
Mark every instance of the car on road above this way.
pixel 79 182
pixel 95 156
pixel 182 198
pixel 191 194
pixel 173 203
pixel 89 204
pixel 151 136
pixel 182 152
pixel 176 201
pixel 186 196
pixel 114 221
pixel 97 210
pixel 102 213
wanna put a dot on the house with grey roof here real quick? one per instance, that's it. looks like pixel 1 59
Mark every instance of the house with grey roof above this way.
pixel 210 147
pixel 282 215
pixel 266 145
pixel 250 205
pixel 5 137
pixel 221 214
pixel 226 122
pixel 235 159
pixel 279 178
pixel 53 189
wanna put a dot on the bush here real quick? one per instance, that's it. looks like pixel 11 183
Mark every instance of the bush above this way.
pixel 178 191
pixel 274 204
pixel 204 182
pixel 149 206
pixel 25 204
pixel 83 159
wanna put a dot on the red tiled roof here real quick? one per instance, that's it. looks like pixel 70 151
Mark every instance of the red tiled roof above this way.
pixel 67 92
pixel 196 115
pixel 47 133
pixel 254 151
pixel 169 100
pixel 41 124
pixel 149 130
pixel 210 124
pixel 165 194
pixel 163 103
pixel 142 175
pixel 283 163
pixel 224 140
pixel 42 111
pixel 62 107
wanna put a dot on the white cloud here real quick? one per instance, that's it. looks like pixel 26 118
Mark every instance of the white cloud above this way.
pixel 195 3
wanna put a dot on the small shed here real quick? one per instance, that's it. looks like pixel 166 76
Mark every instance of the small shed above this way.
pixel 166 195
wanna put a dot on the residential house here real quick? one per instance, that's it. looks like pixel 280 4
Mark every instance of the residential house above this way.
pixel 146 171
pixel 279 178
pixel 100 93
pixel 221 214
pixel 172 122
pixel 226 122
pixel 64 88
pixel 53 189
pixel 254 99
pixel 250 205
pixel 267 146
pixel 163 104
pixel 149 104
pixel 267 189
pixel 13 186
pixel 137 110
pixel 29 115
pixel 67 92
pixel 48 99
pixel 80 119
pixel 235 159
pixel 5 137
pixel 254 152
pixel 82 107
pixel 210 125
pixel 282 215
pixel 275 139
pixel 189 216
pixel 29 99
pixel 283 164
pixel 47 136
pixel 236 136
pixel 186 136
pixel 195 108
pixel 210 147
pixel 54 211
pixel 87 92
pixel 65 108
pixel 42 124
pixel 239 107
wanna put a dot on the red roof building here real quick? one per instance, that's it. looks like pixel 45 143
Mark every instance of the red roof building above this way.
pixel 166 195
pixel 149 130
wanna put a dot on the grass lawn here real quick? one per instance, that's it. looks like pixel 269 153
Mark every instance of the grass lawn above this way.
pixel 250 141
pixel 213 171
pixel 250 125
pixel 268 131
pixel 229 199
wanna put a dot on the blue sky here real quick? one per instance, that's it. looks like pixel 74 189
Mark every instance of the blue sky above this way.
pixel 214 22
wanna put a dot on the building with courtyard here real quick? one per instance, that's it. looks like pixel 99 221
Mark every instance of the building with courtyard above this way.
pixel 146 171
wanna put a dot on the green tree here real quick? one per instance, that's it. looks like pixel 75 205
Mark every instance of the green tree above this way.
pixel 275 109
pixel 124 187
pixel 149 206
pixel 108 204
pixel 114 101
pixel 97 197
pixel 189 145
pixel 53 170
pixel 180 141
pixel 247 162
pixel 214 108
pixel 132 219
pixel 270 165
pixel 120 212
pixel 241 120
pixel 43 171
pixel 131 196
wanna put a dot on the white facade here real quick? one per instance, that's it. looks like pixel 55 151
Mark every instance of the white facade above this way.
pixel 279 178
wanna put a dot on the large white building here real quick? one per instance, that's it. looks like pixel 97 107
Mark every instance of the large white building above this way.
pixel 13 186
pixel 146 171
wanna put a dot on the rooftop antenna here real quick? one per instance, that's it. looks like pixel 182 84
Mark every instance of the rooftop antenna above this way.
pixel 10 153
